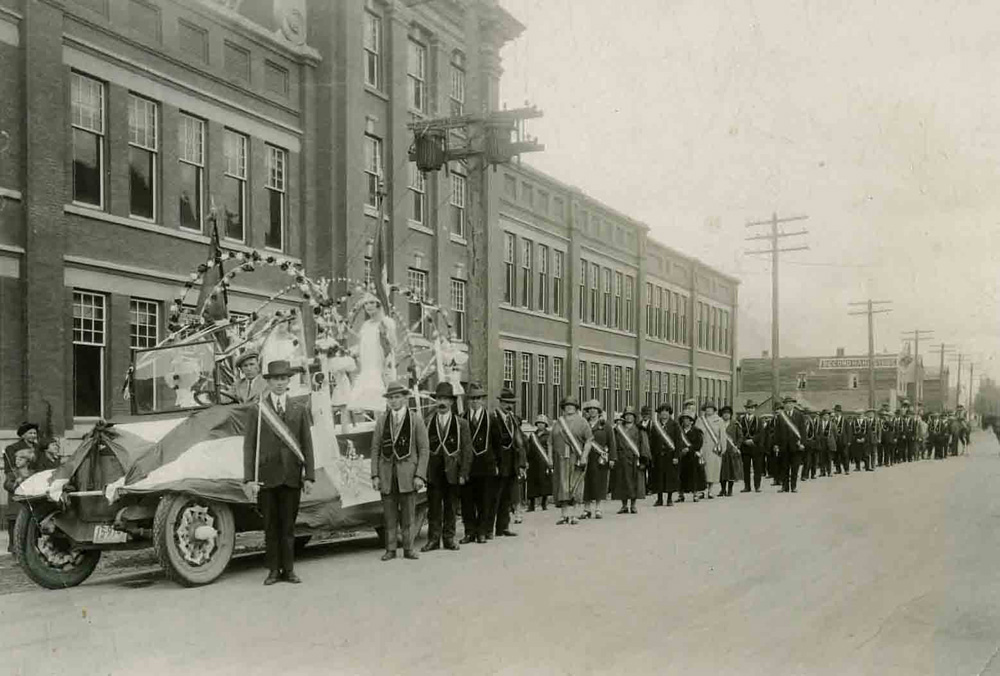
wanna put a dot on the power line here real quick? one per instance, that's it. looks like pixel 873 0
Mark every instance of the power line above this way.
pixel 871 311
pixel 773 251
pixel 918 374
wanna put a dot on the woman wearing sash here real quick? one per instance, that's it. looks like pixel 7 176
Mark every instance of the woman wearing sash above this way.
pixel 603 453
pixel 714 433
pixel 732 462
pixel 570 444
pixel 664 446
pixel 692 463
pixel 633 457
pixel 539 481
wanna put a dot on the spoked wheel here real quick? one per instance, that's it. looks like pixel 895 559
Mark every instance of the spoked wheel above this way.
pixel 193 538
pixel 51 559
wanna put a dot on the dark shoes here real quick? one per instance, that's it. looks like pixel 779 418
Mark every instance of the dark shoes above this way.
pixel 745 490
pixel 451 545
pixel 468 539
pixel 633 510
pixel 430 547
pixel 489 536
pixel 389 556
pixel 480 539
pixel 411 555
pixel 507 533
pixel 623 510
pixel 293 578
pixel 272 578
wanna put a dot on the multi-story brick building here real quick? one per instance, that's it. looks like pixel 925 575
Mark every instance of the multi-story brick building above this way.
pixel 129 119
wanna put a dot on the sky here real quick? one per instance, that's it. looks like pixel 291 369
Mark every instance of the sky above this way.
pixel 878 119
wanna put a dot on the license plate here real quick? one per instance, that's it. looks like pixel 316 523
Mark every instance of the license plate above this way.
pixel 108 535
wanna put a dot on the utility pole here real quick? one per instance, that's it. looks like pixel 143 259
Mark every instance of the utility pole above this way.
pixel 972 366
pixel 918 371
pixel 870 311
pixel 944 348
pixel 958 381
pixel 773 238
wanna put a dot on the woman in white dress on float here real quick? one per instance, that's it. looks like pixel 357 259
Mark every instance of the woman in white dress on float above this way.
pixel 376 341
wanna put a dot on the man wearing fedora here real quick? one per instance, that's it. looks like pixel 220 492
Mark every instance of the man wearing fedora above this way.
pixel 278 466
pixel 251 384
pixel 478 487
pixel 447 468
pixel 27 441
pixel 789 442
pixel 399 467
pixel 512 464
pixel 751 446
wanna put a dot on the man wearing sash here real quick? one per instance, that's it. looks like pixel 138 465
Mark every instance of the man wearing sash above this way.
pixel 447 468
pixel 571 437
pixel 663 445
pixel 842 436
pixel 692 464
pixel 645 423
pixel 732 462
pixel 630 469
pixel 600 460
pixel 511 464
pixel 539 481
pixel 751 446
pixel 789 443
pixel 479 488
pixel 400 452
pixel 278 467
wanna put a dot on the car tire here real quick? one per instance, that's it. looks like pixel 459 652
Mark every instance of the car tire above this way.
pixel 186 558
pixel 79 563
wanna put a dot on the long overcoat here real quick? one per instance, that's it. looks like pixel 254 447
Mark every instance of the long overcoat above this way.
pixel 569 458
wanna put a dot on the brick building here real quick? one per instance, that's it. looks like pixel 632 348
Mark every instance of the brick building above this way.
pixel 129 119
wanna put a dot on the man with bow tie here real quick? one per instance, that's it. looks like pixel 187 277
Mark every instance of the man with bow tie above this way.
pixel 447 468
pixel 278 467
pixel 512 464
pixel 399 467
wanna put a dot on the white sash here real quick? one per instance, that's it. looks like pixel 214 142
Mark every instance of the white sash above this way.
pixel 791 425
pixel 711 432
pixel 663 434
pixel 628 442
pixel 442 438
pixel 571 438
pixel 541 451
pixel 483 416
pixel 279 427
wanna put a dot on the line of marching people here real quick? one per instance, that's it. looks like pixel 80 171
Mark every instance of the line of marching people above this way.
pixel 474 464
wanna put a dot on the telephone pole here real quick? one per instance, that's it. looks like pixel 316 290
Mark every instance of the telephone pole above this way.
pixel 945 348
pixel 972 366
pixel 918 371
pixel 870 311
pixel 958 380
pixel 773 251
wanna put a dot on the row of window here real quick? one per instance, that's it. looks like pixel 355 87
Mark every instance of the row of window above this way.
pixel 606 297
pixel 417 74
pixel 613 386
pixel 662 387
pixel 715 390
pixel 89 124
pixel 533 275
pixel 539 379
pixel 666 314
pixel 538 200
pixel 714 330
pixel 420 321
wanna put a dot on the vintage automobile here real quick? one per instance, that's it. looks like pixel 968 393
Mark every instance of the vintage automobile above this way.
pixel 170 477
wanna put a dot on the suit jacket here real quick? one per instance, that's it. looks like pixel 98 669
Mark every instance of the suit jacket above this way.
pixel 784 437
pixel 658 447
pixel 604 436
pixel 279 466
pixel 451 452
pixel 827 436
pixel 484 444
pixel 408 468
pixel 510 443
pixel 751 430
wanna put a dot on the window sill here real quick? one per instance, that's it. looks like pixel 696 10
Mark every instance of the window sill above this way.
pixel 419 227
pixel 376 92
pixel 607 329
pixel 714 353
pixel 143 219
pixel 458 240
pixel 273 250
pixel 533 313
pixel 88 206
pixel 664 341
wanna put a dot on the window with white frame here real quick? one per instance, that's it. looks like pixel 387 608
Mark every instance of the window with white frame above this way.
pixel 656 388
pixel 581 382
pixel 457 92
pixel 274 237
pixel 660 295
pixel 595 381
pixel 582 291
pixel 543 278
pixel 668 312
pixel 801 379
pixel 373 169
pixel 606 315
pixel 525 399
pixel 192 171
pixel 417 283
pixel 629 385
pixel 616 321
pixel 418 195
pixel 416 72
pixel 508 267
pixel 541 380
pixel 595 292
pixel 558 265
pixel 89 341
pixel 527 253
pixel 367 272
pixel 87 120
pixel 143 149
pixel 234 185
pixel 648 388
pixel 508 369
pixel 606 387
pixel 617 388
pixel 557 382
pixel 144 321
pixel 629 303
pixel 458 308
pixel 650 323
pixel 373 50
pixel 459 193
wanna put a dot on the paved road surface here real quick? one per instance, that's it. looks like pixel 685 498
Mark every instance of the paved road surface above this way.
pixel 885 573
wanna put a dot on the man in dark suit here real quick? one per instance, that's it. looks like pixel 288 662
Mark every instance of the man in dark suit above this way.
pixel 752 446
pixel 447 468
pixel 789 441
pixel 512 463
pixel 278 467
pixel 842 439
pixel 479 490
pixel 399 467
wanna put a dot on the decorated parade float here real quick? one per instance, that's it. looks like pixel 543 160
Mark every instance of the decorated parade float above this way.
pixel 170 475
